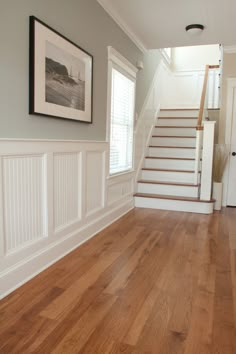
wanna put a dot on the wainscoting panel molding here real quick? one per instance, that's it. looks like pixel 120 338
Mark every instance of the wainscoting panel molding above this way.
pixel 67 175
pixel 24 179
pixel 95 179
pixel 120 187
pixel 54 195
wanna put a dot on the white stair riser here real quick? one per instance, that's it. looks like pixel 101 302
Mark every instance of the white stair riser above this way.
pixel 184 113
pixel 175 205
pixel 175 131
pixel 191 142
pixel 170 164
pixel 180 191
pixel 165 176
pixel 167 152
pixel 177 122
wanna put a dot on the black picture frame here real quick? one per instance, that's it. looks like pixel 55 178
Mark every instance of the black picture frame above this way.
pixel 60 75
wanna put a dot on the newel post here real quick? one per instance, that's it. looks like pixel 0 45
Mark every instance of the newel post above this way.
pixel 199 134
pixel 207 160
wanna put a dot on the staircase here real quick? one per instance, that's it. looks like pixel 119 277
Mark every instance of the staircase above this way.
pixel 167 178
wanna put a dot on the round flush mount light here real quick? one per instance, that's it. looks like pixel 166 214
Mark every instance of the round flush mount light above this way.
pixel 194 29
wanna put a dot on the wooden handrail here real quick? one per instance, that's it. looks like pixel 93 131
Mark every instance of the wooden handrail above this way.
pixel 214 66
pixel 203 96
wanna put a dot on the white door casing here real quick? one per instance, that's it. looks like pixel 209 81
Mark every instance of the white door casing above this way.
pixel 230 140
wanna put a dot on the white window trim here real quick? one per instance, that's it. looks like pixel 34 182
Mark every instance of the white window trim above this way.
pixel 116 59
pixel 121 61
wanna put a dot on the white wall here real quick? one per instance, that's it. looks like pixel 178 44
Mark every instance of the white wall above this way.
pixel 229 71
pixel 54 195
pixel 195 57
pixel 182 89
pixel 184 80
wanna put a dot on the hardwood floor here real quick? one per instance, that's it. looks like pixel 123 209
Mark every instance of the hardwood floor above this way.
pixel 153 282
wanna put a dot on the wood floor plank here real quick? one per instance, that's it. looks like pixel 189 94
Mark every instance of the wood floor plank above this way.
pixel 25 326
pixel 224 335
pixel 82 304
pixel 83 283
pixel 154 282
pixel 73 293
pixel 233 279
pixel 122 277
pixel 141 283
pixel 168 276
pixel 155 331
pixel 75 339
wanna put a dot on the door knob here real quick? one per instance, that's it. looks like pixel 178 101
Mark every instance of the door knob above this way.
pixel 234 153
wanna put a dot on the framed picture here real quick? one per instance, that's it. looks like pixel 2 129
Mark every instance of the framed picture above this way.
pixel 61 75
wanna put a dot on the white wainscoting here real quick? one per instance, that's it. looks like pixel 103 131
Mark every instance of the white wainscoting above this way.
pixel 66 182
pixel 182 89
pixel 54 195
pixel 23 182
pixel 120 187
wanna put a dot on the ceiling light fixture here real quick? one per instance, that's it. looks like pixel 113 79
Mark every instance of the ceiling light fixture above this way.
pixel 194 29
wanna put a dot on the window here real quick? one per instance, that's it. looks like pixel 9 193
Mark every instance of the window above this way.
pixel 121 114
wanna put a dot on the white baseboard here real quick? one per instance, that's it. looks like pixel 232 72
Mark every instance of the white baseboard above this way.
pixel 25 270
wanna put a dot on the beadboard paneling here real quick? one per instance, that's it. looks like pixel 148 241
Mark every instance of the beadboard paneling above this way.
pixel 67 181
pixel 95 177
pixel 23 200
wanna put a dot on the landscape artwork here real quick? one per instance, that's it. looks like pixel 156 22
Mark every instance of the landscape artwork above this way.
pixel 60 75
pixel 65 78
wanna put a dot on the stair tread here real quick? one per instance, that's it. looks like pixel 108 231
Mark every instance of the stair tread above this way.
pixel 169 183
pixel 178 118
pixel 166 170
pixel 175 126
pixel 172 147
pixel 172 197
pixel 170 158
pixel 174 136
pixel 179 109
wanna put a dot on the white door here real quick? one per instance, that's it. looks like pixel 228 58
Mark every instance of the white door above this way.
pixel 231 195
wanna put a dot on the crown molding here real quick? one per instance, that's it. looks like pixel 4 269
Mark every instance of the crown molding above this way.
pixel 229 49
pixel 111 12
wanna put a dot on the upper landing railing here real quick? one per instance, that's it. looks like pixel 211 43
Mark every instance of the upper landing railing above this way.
pixel 203 110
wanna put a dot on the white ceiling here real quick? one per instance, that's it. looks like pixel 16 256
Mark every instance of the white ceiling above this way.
pixel 161 23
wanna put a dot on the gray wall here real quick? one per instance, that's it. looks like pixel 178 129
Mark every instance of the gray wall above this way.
pixel 85 23
pixel 145 77
pixel 229 71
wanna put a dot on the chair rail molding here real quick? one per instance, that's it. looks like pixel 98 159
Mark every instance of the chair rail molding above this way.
pixel 54 195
